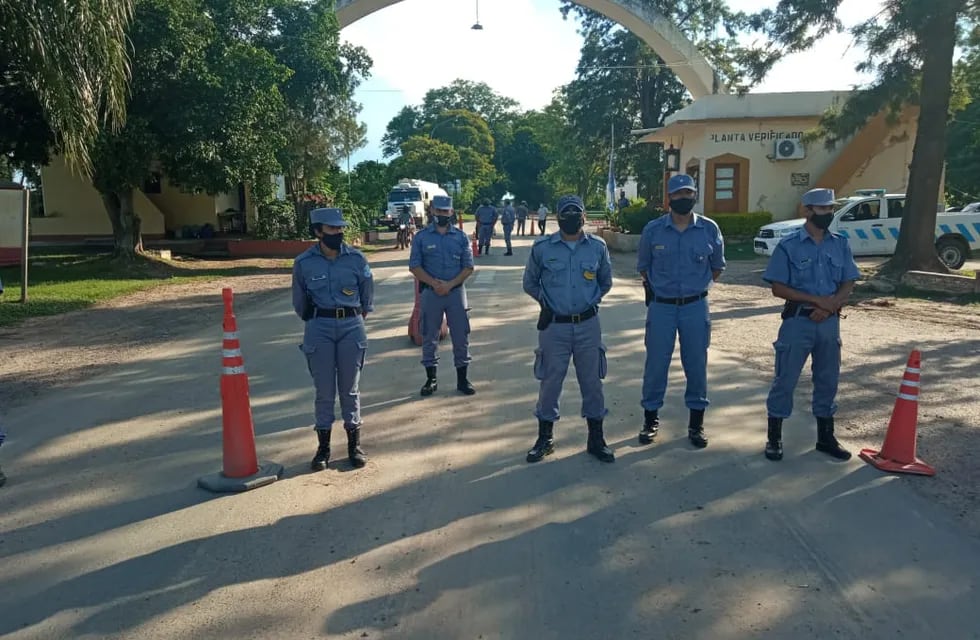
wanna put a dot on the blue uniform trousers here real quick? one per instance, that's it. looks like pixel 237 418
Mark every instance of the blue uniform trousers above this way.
pixel 484 235
pixel 799 338
pixel 508 229
pixel 453 306
pixel 335 350
pixel 664 323
pixel 582 342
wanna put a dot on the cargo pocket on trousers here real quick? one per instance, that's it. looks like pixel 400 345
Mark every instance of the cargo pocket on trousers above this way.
pixel 538 364
pixel 308 351
pixel 782 349
pixel 361 353
pixel 603 367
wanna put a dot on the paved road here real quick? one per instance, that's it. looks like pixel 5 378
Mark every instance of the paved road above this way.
pixel 448 533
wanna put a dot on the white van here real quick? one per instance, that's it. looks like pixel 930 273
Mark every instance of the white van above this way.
pixel 871 220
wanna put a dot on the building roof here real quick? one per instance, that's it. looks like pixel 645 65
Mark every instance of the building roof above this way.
pixel 758 105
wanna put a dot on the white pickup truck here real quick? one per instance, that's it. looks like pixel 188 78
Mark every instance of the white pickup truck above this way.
pixel 871 219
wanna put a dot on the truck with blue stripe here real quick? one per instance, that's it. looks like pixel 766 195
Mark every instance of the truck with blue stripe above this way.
pixel 871 220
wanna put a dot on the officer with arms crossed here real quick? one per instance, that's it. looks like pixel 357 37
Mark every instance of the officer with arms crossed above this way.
pixel 814 271
pixel 442 260
pixel 333 291
pixel 569 273
pixel 679 256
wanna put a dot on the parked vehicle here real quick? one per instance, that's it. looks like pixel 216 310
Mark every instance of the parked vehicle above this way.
pixel 410 192
pixel 871 220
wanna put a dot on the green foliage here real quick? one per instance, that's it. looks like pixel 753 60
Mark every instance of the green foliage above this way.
pixel 963 147
pixel 632 219
pixel 369 184
pixel 278 221
pixel 741 225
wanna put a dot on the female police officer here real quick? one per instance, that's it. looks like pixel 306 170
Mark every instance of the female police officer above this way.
pixel 814 271
pixel 333 291
pixel 569 273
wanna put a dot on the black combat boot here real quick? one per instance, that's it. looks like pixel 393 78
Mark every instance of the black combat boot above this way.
pixel 322 456
pixel 774 445
pixel 597 444
pixel 827 443
pixel 430 385
pixel 651 425
pixel 545 444
pixel 354 452
pixel 462 384
pixel 695 429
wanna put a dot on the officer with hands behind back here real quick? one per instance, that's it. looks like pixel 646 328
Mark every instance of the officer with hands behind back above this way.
pixel 568 273
pixel 441 260
pixel 679 256
pixel 333 291
pixel 814 271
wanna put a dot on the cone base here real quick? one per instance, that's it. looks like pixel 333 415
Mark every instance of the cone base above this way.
pixel 268 473
pixel 873 457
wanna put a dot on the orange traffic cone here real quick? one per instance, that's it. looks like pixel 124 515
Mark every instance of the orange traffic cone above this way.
pixel 897 455
pixel 241 470
pixel 476 246
pixel 415 320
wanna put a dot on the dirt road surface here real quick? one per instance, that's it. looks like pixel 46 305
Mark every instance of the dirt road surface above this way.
pixel 113 414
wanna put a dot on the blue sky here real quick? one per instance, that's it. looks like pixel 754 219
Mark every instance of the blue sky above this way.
pixel 525 51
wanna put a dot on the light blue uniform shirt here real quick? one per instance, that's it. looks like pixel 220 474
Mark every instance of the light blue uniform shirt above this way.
pixel 680 264
pixel 817 269
pixel 345 281
pixel 441 256
pixel 568 280
pixel 486 215
pixel 508 217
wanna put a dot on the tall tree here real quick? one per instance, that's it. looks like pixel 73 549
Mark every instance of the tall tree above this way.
pixel 402 127
pixel 910 45
pixel 963 147
pixel 477 97
pixel 204 109
pixel 71 56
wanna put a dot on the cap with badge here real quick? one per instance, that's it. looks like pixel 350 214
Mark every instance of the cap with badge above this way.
pixel 680 182
pixel 328 217
pixel 818 198
pixel 442 203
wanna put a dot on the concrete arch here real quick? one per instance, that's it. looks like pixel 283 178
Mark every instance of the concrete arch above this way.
pixel 648 24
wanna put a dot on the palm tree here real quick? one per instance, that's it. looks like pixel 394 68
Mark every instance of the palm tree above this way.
pixel 73 56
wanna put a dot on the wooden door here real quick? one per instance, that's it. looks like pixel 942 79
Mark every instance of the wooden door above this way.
pixel 725 184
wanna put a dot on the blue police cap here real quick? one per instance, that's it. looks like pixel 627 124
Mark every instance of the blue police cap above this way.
pixel 442 203
pixel 570 203
pixel 681 181
pixel 818 198
pixel 328 217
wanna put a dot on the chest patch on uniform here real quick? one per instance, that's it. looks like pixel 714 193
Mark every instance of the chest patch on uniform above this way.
pixel 430 247
pixel 805 261
pixel 589 275
pixel 659 247
pixel 348 292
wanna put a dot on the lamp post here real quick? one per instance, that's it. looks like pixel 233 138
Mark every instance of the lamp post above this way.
pixel 477 26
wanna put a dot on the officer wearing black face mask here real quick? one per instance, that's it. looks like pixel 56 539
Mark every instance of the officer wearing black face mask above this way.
pixel 679 256
pixel 814 271
pixel 333 291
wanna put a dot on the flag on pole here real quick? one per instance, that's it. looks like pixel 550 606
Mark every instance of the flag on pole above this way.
pixel 611 183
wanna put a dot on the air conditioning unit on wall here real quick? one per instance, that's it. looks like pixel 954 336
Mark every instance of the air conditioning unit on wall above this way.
pixel 788 150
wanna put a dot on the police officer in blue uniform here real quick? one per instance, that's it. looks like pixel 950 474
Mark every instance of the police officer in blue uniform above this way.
pixel 486 218
pixel 333 291
pixel 680 255
pixel 441 261
pixel 814 271
pixel 568 273
pixel 507 219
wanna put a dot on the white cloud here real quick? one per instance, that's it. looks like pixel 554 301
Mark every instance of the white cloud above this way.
pixel 525 51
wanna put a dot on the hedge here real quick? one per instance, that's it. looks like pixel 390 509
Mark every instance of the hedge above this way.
pixel 741 225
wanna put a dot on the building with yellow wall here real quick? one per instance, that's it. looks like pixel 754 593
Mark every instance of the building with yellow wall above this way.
pixel 748 153
pixel 73 208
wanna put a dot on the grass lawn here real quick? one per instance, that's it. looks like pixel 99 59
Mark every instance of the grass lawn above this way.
pixel 62 281
pixel 740 250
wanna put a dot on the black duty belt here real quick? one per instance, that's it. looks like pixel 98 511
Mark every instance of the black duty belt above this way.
pixel 575 318
pixel 680 301
pixel 423 286
pixel 339 312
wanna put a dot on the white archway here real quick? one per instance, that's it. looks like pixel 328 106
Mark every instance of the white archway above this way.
pixel 649 25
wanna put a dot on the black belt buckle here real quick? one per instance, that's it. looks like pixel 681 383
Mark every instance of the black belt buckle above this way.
pixel 340 313
pixel 576 318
